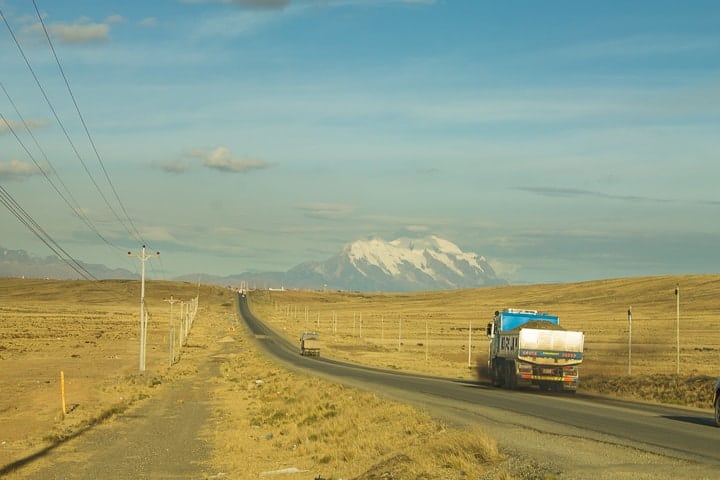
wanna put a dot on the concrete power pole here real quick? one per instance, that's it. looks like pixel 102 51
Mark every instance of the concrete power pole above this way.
pixel 172 330
pixel 677 326
pixel 629 341
pixel 470 345
pixel 143 318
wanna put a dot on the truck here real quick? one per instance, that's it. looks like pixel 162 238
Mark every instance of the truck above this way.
pixel 310 344
pixel 530 348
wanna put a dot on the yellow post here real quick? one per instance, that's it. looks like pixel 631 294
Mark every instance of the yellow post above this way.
pixel 62 393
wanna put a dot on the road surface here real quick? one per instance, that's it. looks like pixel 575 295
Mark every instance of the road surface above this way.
pixel 577 436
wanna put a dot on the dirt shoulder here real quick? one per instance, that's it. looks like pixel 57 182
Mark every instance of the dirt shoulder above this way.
pixel 155 434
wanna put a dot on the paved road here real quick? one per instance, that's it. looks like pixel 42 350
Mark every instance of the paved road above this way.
pixel 679 436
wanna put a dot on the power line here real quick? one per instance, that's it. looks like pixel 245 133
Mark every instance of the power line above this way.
pixel 82 120
pixel 62 126
pixel 76 207
pixel 67 197
pixel 27 220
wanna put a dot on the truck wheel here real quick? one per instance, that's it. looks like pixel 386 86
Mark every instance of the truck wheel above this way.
pixel 717 410
pixel 510 380
pixel 495 380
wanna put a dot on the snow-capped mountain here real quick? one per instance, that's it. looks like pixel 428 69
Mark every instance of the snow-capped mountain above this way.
pixel 374 265
pixel 404 264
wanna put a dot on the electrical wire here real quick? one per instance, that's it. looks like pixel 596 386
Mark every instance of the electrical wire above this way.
pixel 127 220
pixel 26 219
pixel 62 127
pixel 75 206
pixel 84 124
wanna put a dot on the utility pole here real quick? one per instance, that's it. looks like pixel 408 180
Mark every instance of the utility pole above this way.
pixel 172 330
pixel 427 340
pixel 630 341
pixel 400 334
pixel 143 318
pixel 470 344
pixel 677 331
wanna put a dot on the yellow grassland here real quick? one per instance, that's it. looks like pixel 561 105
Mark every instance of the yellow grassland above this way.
pixel 429 332
pixel 266 418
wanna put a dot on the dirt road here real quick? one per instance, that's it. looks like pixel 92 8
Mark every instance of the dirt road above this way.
pixel 157 439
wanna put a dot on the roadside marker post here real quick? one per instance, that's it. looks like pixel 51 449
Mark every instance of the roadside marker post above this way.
pixel 62 393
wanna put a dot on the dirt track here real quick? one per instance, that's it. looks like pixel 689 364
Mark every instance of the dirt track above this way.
pixel 157 439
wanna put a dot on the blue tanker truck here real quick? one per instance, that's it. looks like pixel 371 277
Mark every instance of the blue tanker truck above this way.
pixel 530 348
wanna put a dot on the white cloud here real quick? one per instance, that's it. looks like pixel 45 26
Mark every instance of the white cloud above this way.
pixel 148 22
pixel 221 159
pixel 326 211
pixel 114 19
pixel 178 166
pixel 80 32
pixel 7 125
pixel 249 4
pixel 158 234
pixel 17 170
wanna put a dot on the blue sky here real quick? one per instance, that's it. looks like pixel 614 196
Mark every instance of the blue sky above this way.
pixel 564 141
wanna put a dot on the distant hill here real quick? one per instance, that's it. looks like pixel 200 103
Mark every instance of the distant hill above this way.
pixel 19 263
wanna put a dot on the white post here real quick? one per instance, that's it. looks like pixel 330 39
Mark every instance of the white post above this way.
pixel 400 335
pixel 630 341
pixel 182 327
pixel 382 328
pixel 470 345
pixel 427 340
pixel 172 331
pixel 143 319
pixel 677 332
pixel 361 325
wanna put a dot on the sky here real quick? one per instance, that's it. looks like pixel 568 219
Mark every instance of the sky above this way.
pixel 563 141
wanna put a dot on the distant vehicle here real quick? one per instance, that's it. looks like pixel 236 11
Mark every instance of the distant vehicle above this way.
pixel 529 348
pixel 310 344
pixel 716 402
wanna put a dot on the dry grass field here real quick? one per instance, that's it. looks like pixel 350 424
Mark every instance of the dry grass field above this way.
pixel 430 332
pixel 275 420
pixel 266 418
pixel 90 332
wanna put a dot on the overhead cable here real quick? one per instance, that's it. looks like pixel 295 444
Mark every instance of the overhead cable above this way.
pixel 27 220
pixel 62 127
pixel 75 206
pixel 87 131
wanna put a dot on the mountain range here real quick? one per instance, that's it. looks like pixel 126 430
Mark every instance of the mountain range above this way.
pixel 404 264
pixel 19 263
